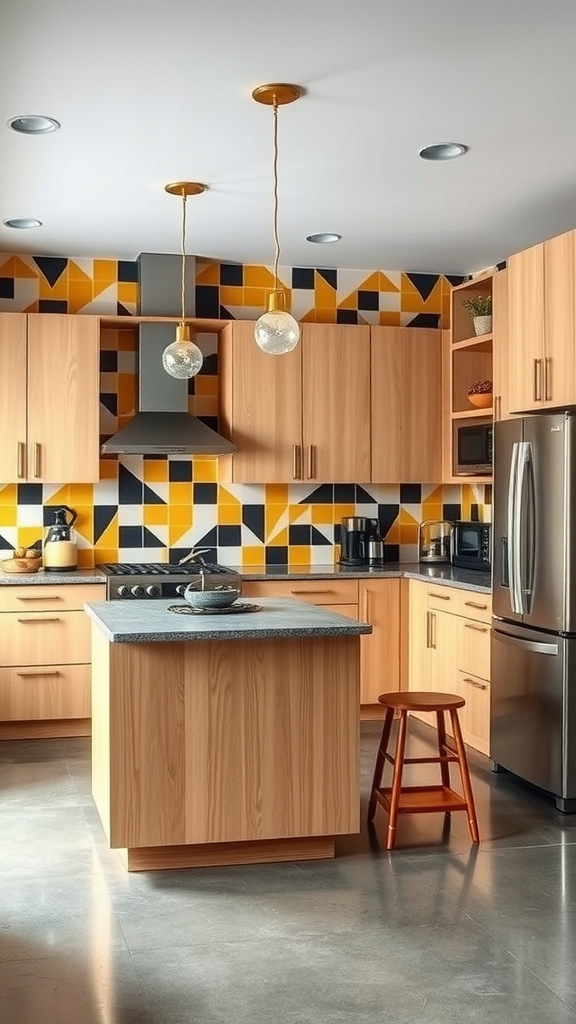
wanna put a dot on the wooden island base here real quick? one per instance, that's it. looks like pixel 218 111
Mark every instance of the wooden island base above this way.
pixel 263 851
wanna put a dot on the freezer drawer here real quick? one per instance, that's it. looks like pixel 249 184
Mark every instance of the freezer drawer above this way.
pixel 532 724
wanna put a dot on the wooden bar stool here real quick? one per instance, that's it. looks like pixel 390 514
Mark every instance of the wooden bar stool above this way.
pixel 397 799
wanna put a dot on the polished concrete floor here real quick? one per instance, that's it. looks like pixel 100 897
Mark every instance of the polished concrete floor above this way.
pixel 439 932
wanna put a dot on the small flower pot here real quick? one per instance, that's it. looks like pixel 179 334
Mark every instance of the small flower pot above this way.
pixel 483 401
pixel 482 325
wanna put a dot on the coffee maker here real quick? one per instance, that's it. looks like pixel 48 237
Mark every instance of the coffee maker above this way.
pixel 359 539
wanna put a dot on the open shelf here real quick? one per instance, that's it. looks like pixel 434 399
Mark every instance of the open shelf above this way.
pixel 479 342
pixel 473 413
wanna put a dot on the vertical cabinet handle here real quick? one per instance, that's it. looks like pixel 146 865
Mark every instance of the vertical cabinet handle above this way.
pixel 428 643
pixel 433 630
pixel 537 380
pixel 37 460
pixel 548 378
pixel 295 461
pixel 311 452
pixel 21 465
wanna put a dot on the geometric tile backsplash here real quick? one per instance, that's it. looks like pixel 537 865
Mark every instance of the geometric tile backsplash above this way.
pixel 157 508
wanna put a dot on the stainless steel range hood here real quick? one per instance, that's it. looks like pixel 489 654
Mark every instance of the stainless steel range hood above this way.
pixel 162 425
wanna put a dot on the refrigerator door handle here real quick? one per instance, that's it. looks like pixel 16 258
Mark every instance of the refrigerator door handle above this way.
pixel 524 525
pixel 512 546
pixel 526 645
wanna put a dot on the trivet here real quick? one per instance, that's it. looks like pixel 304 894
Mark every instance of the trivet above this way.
pixel 231 609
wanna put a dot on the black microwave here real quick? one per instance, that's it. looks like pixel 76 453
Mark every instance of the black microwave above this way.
pixel 472 545
pixel 473 449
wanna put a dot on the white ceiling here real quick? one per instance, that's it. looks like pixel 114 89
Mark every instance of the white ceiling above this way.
pixel 149 91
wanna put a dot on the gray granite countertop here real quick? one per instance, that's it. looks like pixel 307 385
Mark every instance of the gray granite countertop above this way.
pixel 54 578
pixel 280 618
pixel 448 575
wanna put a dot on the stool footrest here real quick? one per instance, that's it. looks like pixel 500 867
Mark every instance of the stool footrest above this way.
pixel 423 798
pixel 445 759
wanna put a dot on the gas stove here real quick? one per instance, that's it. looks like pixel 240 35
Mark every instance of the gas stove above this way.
pixel 153 579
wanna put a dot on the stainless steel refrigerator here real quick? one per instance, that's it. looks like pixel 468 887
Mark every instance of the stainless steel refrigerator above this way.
pixel 533 677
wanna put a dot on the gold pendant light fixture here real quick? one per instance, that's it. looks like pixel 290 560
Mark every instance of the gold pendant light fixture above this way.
pixel 276 332
pixel 183 358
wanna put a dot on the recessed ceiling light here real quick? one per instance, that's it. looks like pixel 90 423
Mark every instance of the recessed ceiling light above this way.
pixel 23 222
pixel 322 237
pixel 34 124
pixel 443 151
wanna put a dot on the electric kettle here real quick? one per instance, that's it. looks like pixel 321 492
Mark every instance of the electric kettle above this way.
pixel 60 548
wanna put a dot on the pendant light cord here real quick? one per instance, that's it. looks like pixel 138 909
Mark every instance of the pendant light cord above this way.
pixel 184 198
pixel 275 172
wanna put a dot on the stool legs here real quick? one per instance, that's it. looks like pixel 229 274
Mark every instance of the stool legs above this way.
pixel 396 781
pixel 465 776
pixel 444 767
pixel 380 759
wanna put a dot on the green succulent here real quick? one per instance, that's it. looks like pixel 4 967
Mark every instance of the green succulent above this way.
pixel 478 305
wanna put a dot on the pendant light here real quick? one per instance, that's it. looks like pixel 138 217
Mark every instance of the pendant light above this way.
pixel 183 358
pixel 276 332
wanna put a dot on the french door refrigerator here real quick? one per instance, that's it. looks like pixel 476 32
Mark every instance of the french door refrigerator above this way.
pixel 533 677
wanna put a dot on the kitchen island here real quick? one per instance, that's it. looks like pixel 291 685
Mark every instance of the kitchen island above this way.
pixel 224 739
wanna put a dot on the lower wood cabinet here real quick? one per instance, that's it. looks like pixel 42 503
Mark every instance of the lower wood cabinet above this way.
pixel 376 601
pixel 45 659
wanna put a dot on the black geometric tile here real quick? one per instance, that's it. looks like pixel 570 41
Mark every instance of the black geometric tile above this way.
pixel 156 458
pixel 224 314
pixel 429 320
pixel 110 402
pixel 299 533
pixel 253 518
pixel 5 545
pixel 318 538
pixel 410 494
pixel 474 513
pixel 344 493
pixel 346 316
pixel 454 278
pixel 391 553
pixel 451 512
pixel 149 497
pixel 210 421
pixel 122 310
pixel 205 494
pixel 149 539
pixel 323 495
pixel 29 494
pixel 103 516
pixel 210 365
pixel 207 301
pixel 231 273
pixel 362 496
pixel 387 515
pixel 487 494
pixel 129 487
pixel 229 536
pixel 108 361
pixel 52 267
pixel 423 283
pixel 368 300
pixel 276 556
pixel 180 470
pixel 6 287
pixel 329 275
pixel 303 277
pixel 130 536
pixel 128 271
pixel 52 306
pixel 209 540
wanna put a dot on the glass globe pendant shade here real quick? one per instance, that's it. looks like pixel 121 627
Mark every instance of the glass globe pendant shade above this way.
pixel 277 332
pixel 182 359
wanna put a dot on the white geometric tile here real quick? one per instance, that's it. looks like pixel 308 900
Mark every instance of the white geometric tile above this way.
pixel 229 556
pixel 29 515
pixel 350 281
pixel 134 464
pixel 103 303
pixel 408 553
pixel 130 515
pixel 369 316
pixel 282 524
pixel 321 554
pixel 384 494
pixel 106 492
pixel 389 302
pixel 25 293
pixel 127 363
pixel 10 534
pixel 247 494
pixel 249 539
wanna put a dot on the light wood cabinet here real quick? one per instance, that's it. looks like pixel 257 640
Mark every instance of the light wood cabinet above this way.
pixel 304 416
pixel 542 329
pixel 45 659
pixel 500 365
pixel 406 404
pixel 49 389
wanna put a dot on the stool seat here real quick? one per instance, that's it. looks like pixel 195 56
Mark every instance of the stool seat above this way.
pixel 421 700
pixel 397 799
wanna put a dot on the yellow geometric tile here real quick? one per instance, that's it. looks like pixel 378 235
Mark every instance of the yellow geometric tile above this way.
pixel 205 471
pixel 84 524
pixel 108 468
pixel 256 276
pixel 255 296
pixel 342 510
pixel 431 510
pixel 350 302
pixel 180 493
pixel 208 273
pixel 272 516
pixel 297 513
pixel 182 516
pixel 324 315
pixel 309 317
pixel 109 538
pixel 7 268
pixel 323 514
pixel 9 495
pixel 80 294
pixel 32 308
pixel 59 290
pixel 299 554
pixel 155 515
pixel 252 555
pixel 127 291
pixel 203 405
pixel 408 534
pixel 126 394
pixel 276 494
pixel 85 558
pixel 79 494
pixel 385 284
pixel 225 497
pixel 206 384
pixel 105 271
pixel 104 555
pixel 393 535
pixel 28 535
pixel 109 338
pixel 8 515
pixel 175 532
pixel 406 519
pixel 230 295
pixel 436 497
pixel 371 284
pixel 155 471
pixel 280 540
pixel 75 273
pixel 21 269
pixel 324 293
pixel 229 515
pixel 127 340
pixel 61 497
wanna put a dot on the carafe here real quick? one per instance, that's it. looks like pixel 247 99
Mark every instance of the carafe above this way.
pixel 60 548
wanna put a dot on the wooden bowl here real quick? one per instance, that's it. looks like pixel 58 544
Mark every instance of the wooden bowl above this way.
pixel 20 565
pixel 481 401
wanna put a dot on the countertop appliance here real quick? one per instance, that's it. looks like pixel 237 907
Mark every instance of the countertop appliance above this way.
pixel 533 687
pixel 150 580
pixel 355 533
pixel 435 541
pixel 472 545
pixel 473 444
pixel 60 553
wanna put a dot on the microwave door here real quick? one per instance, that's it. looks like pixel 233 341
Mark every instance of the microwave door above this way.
pixel 506 581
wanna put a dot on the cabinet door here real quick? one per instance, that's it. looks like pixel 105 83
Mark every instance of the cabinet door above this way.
pixel 526 329
pixel 387 393
pixel 559 388
pixel 260 409
pixel 418 637
pixel 380 651
pixel 336 403
pixel 475 715
pixel 63 398
pixel 444 652
pixel 500 372
pixel 12 397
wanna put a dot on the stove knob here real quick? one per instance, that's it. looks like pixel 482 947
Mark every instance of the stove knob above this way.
pixel 181 588
pixel 153 590
pixel 123 591
pixel 137 591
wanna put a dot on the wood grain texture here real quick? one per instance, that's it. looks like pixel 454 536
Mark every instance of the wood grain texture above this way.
pixel 500 344
pixel 380 651
pixel 474 648
pixel 526 328
pixel 47 597
pixel 560 325
pixel 322 592
pixel 475 715
pixel 221 854
pixel 44 638
pixel 101 730
pixel 63 397
pixel 51 729
pixel 260 407
pixel 387 404
pixel 45 692
pixel 13 404
pixel 336 402
pixel 232 742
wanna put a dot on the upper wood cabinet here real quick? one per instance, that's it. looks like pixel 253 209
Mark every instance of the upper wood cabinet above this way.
pixel 49 388
pixel 542 329
pixel 304 416
pixel 406 404
pixel 500 371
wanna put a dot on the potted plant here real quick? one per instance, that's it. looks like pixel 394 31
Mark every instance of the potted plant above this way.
pixel 480 309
